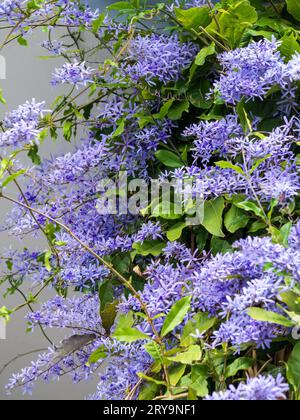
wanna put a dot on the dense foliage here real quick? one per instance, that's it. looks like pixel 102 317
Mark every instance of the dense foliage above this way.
pixel 157 306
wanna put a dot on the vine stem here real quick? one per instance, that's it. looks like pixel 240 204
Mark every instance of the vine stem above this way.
pixel 213 14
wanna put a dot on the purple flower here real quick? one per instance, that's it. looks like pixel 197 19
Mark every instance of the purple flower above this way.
pixel 212 136
pixel 250 72
pixel 293 68
pixel 73 73
pixel 22 125
pixel 158 58
pixel 255 389
pixel 54 47
pixel 148 230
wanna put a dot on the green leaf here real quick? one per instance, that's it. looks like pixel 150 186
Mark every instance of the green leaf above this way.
pixel 219 246
pixel 234 21
pixel 201 238
pixel 258 163
pixel 243 363
pixel 249 206
pixel 176 315
pixel 148 391
pixel 235 219
pixel 204 53
pixel 243 116
pixel 108 315
pixel 199 380
pixel 284 234
pixel 197 94
pixel 129 335
pixel 154 350
pixel 175 231
pixel 177 109
pixel 119 130
pixel 146 248
pixel 176 373
pixel 106 294
pixel 167 210
pixel 256 226
pixel 47 258
pixel 169 159
pixel 193 354
pixel 293 368
pixel 164 110
pixel 98 22
pixel 228 165
pixel 121 6
pixel 33 155
pixel 2 100
pixel 291 299
pixel 289 44
pixel 67 130
pixel 97 355
pixel 200 322
pixel 12 177
pixel 194 17
pixel 5 313
pixel 22 41
pixel 293 7
pixel 213 211
pixel 267 316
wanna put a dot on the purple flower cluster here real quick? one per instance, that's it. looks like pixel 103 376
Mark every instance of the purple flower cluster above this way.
pixel 148 230
pixel 22 125
pixel 54 47
pixel 158 58
pixel 251 71
pixel 225 160
pixel 73 73
pixel 72 13
pixel 261 388
pixel 81 315
pixel 212 136
pixel 164 288
pixel 228 285
pixel 121 376
pixel 293 68
pixel 185 4
pixel 263 167
pixel 11 9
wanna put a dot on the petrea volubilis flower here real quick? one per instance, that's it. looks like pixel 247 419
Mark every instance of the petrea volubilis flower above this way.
pixel 262 388
pixel 158 58
pixel 22 125
pixel 251 72
pixel 73 73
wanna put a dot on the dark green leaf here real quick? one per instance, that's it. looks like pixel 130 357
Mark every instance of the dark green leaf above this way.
pixel 213 211
pixel 146 248
pixel 293 7
pixel 235 219
pixel 242 363
pixel 169 159
pixel 177 109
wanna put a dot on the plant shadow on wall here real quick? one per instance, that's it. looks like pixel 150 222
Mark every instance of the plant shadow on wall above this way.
pixel 201 97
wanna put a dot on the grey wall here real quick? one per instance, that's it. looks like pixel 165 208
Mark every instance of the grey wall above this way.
pixel 29 77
